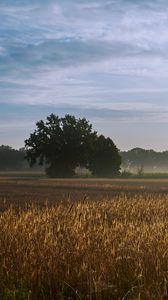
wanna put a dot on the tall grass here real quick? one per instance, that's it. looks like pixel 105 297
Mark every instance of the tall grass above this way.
pixel 109 249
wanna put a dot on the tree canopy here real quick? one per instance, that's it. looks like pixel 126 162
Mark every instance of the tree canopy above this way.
pixel 64 143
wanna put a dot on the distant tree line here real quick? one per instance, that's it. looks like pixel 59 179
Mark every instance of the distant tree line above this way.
pixel 141 160
pixel 11 159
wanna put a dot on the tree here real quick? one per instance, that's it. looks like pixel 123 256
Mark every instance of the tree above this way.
pixel 105 161
pixel 61 144
pixel 10 159
pixel 138 159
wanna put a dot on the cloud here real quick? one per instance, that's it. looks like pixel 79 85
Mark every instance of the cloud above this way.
pixel 28 114
pixel 95 57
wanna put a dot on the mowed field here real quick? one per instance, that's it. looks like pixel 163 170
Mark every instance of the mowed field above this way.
pixel 83 239
pixel 22 191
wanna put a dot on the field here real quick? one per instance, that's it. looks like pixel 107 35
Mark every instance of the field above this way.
pixel 83 239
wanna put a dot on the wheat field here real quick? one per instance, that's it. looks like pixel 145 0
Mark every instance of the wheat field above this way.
pixel 101 249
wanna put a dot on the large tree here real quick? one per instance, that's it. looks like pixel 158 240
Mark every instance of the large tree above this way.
pixel 62 144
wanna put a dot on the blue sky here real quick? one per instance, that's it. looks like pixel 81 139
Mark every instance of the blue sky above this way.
pixel 106 60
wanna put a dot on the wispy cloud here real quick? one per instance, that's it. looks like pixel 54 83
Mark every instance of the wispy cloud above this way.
pixel 107 59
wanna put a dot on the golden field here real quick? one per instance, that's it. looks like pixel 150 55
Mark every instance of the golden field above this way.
pixel 108 242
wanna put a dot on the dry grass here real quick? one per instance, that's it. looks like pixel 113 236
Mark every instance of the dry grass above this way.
pixel 108 249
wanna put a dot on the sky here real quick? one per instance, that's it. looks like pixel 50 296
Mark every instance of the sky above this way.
pixel 106 60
